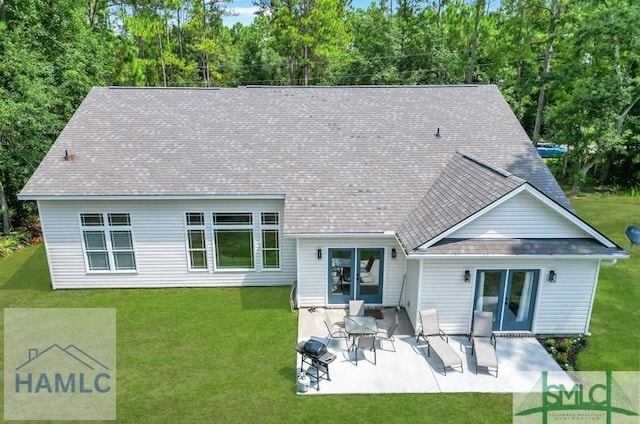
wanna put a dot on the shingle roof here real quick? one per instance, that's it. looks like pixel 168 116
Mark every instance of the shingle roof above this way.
pixel 578 247
pixel 465 186
pixel 347 159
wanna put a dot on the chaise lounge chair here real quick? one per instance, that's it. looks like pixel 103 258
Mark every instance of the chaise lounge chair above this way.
pixel 437 340
pixel 484 341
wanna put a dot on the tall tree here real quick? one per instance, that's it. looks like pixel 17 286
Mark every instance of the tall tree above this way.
pixel 312 34
pixel 473 43
pixel 546 67
pixel 51 57
pixel 595 104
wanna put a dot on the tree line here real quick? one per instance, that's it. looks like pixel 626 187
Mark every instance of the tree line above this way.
pixel 568 68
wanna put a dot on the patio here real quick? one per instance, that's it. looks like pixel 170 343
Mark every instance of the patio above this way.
pixel 409 370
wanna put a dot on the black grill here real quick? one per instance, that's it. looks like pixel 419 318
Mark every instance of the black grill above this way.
pixel 314 348
pixel 314 353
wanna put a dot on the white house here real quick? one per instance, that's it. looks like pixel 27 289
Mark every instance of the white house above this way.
pixel 422 196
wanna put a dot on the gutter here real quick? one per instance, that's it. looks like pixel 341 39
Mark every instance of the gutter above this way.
pixel 612 257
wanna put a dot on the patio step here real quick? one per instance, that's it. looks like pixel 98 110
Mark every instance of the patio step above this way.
pixel 521 334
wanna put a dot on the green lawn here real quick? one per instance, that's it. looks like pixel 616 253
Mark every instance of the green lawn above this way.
pixel 189 355
pixel 615 341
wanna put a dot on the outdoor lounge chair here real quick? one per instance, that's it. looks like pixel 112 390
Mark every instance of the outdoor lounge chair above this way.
pixel 356 307
pixel 365 272
pixel 335 329
pixel 367 342
pixel 483 342
pixel 437 340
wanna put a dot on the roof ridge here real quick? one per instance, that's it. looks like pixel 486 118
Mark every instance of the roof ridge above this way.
pixel 310 87
pixel 490 166
pixel 130 87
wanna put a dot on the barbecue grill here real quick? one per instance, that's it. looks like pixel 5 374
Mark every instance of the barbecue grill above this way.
pixel 315 355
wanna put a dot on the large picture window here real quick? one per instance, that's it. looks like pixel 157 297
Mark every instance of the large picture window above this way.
pixel 233 234
pixel 107 241
pixel 270 231
pixel 196 241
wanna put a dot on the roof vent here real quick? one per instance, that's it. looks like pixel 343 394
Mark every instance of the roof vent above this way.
pixel 437 134
pixel 67 157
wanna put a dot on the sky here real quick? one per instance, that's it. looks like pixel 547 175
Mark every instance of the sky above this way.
pixel 244 10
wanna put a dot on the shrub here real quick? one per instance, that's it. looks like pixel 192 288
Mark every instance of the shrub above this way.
pixel 13 241
pixel 564 350
pixel 565 345
pixel 561 358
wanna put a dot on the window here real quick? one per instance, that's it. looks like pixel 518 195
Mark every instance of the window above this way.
pixel 233 234
pixel 270 230
pixel 196 241
pixel 108 243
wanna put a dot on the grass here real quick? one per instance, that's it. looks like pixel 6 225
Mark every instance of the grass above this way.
pixel 191 355
pixel 615 341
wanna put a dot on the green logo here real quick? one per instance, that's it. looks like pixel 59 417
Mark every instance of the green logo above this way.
pixel 592 396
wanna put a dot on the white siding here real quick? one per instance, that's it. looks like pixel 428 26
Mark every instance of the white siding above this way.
pixel 312 272
pixel 443 288
pixel 160 244
pixel 522 216
pixel 561 308
pixel 564 307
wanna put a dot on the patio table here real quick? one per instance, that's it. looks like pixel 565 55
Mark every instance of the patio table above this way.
pixel 359 325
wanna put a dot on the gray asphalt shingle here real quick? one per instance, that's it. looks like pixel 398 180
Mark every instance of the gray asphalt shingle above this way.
pixel 464 187
pixel 577 247
pixel 347 159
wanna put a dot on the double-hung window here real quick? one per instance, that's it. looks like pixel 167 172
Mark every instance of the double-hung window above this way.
pixel 270 231
pixel 196 241
pixel 107 241
pixel 233 234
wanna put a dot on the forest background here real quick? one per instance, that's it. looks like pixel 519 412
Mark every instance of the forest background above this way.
pixel 568 68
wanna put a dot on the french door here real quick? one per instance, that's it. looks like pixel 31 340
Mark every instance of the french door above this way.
pixel 510 295
pixel 355 274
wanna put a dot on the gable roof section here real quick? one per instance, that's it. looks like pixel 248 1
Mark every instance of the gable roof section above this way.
pixel 345 159
pixel 466 186
pixel 469 188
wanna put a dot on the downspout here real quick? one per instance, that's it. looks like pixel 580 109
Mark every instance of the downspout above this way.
pixel 593 298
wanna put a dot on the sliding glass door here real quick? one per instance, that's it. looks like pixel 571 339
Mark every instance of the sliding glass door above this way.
pixel 510 295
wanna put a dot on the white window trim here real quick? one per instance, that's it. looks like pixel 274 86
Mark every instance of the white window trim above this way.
pixel 106 228
pixel 202 227
pixel 276 227
pixel 251 227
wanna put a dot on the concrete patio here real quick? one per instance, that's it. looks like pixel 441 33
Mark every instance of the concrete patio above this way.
pixel 409 370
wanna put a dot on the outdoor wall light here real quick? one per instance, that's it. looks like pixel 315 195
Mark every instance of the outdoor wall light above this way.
pixel 319 253
pixel 394 254
pixel 552 276
pixel 467 276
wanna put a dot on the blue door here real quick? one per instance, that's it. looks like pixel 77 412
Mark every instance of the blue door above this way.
pixel 355 274
pixel 369 283
pixel 510 295
pixel 341 264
